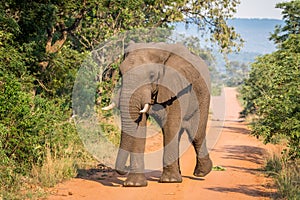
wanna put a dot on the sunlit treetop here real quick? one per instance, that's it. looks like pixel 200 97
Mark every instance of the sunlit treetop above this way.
pixel 87 23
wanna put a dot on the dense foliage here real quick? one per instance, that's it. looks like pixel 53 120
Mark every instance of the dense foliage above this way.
pixel 272 90
pixel 43 43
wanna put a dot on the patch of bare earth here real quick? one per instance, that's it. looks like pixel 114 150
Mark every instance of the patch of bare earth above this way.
pixel 240 154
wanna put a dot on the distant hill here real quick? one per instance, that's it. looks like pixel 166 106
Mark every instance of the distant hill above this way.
pixel 255 32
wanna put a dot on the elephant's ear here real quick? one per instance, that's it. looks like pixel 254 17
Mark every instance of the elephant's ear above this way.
pixel 165 95
pixel 174 82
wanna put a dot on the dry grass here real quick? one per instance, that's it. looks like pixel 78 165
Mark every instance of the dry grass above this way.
pixel 41 178
pixel 286 176
pixel 54 170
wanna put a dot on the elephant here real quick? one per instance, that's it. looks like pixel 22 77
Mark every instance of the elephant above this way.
pixel 169 83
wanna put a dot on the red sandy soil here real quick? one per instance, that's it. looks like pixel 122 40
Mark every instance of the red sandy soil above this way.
pixel 240 154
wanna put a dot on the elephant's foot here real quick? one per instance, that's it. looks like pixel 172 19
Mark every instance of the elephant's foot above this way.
pixel 121 172
pixel 135 180
pixel 203 166
pixel 170 176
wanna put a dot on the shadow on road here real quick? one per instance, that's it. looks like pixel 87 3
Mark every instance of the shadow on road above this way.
pixel 109 177
pixel 237 130
pixel 249 190
pixel 246 153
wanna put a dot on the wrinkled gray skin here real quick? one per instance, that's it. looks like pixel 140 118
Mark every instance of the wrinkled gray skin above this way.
pixel 176 85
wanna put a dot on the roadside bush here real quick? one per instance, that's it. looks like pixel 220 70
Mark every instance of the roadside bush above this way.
pixel 272 90
pixel 28 123
pixel 272 93
pixel 34 132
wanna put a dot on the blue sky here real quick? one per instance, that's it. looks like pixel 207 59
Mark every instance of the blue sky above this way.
pixel 259 9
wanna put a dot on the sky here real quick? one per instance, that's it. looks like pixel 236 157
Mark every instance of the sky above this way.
pixel 259 9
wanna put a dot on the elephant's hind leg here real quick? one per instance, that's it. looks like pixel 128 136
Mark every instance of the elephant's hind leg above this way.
pixel 196 131
pixel 204 164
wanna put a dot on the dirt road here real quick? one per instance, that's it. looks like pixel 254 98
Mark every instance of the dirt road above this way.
pixel 232 148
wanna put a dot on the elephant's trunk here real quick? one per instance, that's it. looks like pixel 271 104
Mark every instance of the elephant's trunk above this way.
pixel 133 128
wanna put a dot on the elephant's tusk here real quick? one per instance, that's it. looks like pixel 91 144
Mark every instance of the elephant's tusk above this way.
pixel 146 108
pixel 109 107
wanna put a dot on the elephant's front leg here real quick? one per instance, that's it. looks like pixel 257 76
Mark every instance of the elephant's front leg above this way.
pixel 134 145
pixel 172 131
pixel 136 176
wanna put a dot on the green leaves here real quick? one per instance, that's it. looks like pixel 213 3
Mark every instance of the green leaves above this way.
pixel 272 93
pixel 27 123
pixel 218 168
pixel 291 17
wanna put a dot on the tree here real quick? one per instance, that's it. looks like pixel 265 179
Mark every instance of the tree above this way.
pixel 272 90
pixel 92 21
pixel 58 32
pixel 292 21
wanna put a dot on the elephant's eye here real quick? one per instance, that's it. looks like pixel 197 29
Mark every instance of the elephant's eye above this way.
pixel 152 76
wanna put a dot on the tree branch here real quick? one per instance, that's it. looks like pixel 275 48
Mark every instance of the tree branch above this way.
pixel 43 86
pixel 64 31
